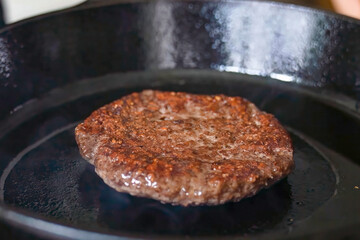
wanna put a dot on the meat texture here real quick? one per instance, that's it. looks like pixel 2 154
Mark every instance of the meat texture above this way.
pixel 185 149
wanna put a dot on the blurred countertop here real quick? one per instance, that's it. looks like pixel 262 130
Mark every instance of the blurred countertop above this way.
pixel 15 10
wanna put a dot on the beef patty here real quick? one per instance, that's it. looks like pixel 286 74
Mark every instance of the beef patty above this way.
pixel 185 149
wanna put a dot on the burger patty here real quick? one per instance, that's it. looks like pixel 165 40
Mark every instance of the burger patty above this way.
pixel 185 149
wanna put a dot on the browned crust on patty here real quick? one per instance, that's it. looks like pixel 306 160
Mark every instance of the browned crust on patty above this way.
pixel 186 149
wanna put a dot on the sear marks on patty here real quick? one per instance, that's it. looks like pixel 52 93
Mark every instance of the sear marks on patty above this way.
pixel 185 149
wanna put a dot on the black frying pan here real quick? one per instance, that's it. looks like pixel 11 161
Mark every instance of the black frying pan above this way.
pixel 300 64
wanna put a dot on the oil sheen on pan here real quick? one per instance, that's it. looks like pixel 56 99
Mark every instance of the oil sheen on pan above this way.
pixel 185 149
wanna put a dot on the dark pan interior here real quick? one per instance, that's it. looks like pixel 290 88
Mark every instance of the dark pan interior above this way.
pixel 298 64
pixel 45 175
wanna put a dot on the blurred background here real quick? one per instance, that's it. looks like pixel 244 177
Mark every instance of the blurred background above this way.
pixel 349 8
pixel 16 10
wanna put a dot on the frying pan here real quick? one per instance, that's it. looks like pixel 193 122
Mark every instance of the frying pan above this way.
pixel 299 64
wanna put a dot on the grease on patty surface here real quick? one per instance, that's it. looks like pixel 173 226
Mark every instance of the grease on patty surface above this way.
pixel 185 149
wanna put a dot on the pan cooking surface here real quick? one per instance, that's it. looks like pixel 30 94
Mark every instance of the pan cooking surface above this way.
pixel 53 180
pixel 44 174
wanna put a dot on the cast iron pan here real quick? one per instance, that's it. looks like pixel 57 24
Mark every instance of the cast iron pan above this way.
pixel 299 64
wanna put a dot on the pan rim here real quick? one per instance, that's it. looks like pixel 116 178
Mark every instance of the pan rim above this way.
pixel 99 4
